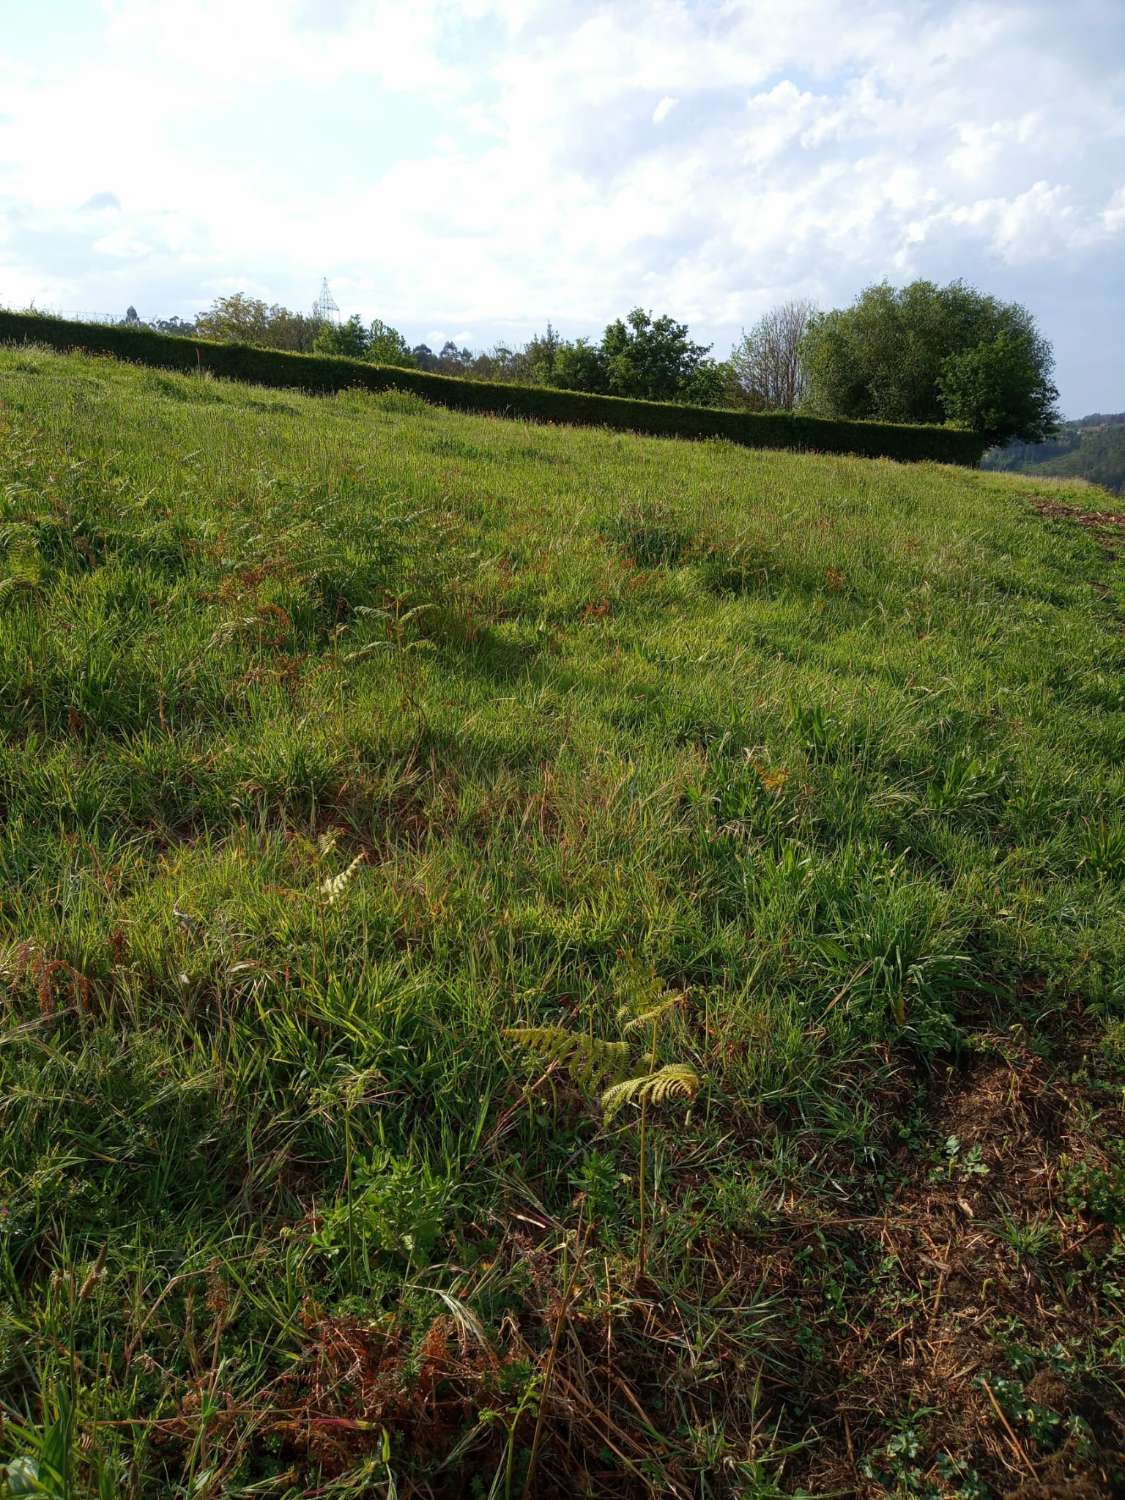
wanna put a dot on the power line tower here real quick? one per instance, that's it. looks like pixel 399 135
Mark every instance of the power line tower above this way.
pixel 325 307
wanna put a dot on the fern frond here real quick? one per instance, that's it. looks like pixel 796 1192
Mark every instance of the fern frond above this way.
pixel 25 566
pixel 673 1081
pixel 643 994
pixel 590 1062
pixel 18 535
pixel 334 886
pixel 634 1020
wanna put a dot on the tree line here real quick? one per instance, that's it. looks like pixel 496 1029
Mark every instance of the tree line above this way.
pixel 922 353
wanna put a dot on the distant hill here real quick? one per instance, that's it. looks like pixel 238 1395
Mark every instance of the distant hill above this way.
pixel 1091 448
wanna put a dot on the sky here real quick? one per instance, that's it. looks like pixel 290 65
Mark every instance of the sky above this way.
pixel 471 169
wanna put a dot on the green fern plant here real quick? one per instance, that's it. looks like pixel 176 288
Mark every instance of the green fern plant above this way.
pixel 613 1072
pixel 673 1081
pixel 594 1065
pixel 24 565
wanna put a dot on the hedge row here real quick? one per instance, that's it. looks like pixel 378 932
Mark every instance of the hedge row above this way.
pixel 311 372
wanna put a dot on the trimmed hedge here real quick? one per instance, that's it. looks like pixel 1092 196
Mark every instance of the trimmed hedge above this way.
pixel 312 372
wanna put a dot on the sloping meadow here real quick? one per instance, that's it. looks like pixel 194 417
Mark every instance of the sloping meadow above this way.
pixel 342 733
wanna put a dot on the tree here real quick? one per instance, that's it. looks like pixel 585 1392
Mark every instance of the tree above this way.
pixel 454 361
pixel 180 327
pixel 579 366
pixel 712 383
pixel 495 364
pixel 767 364
pixel 350 339
pixel 235 319
pixel 925 353
pixel 378 344
pixel 639 356
pixel 652 358
pixel 535 363
pixel 1001 389
pixel 239 319
pixel 386 346
pixel 292 330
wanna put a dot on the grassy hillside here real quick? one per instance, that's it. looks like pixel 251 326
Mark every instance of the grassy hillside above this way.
pixel 341 734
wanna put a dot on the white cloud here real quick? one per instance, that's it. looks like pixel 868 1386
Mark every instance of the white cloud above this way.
pixel 484 165
pixel 1035 224
pixel 231 45
pixel 122 245
pixel 1113 215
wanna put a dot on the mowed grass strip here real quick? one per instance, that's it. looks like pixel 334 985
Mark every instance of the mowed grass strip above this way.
pixel 341 734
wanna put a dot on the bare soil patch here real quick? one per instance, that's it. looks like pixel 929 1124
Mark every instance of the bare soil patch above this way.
pixel 982 1361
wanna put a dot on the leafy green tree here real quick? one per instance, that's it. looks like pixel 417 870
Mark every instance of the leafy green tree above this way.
pixel 1001 389
pixel 712 383
pixel 638 356
pixel 350 340
pixel 454 361
pixel 924 353
pixel 386 346
pixel 235 319
pixel 535 363
pixel 579 366
pixel 379 343
pixel 239 319
pixel 290 330
pixel 652 358
pixel 495 364
pixel 180 327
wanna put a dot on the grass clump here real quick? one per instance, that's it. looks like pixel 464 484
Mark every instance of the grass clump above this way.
pixel 650 535
pixel 340 737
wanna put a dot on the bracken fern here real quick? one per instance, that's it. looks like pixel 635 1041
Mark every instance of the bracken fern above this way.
pixel 673 1081
pixel 593 1064
pixel 607 1067
pixel 24 563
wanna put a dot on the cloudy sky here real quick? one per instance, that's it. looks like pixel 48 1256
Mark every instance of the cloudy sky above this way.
pixel 471 168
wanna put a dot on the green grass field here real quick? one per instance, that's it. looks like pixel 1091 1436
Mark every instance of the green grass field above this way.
pixel 341 734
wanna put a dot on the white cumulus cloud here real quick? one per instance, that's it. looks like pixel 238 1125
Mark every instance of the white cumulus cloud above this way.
pixel 484 165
